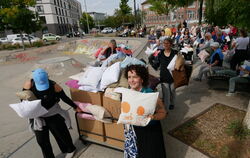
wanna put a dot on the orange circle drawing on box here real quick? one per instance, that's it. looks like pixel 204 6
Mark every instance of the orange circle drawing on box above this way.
pixel 140 110
pixel 125 107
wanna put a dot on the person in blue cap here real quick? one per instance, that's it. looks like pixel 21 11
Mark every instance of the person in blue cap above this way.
pixel 54 121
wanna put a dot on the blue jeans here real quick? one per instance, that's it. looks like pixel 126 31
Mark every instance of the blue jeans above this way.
pixel 235 80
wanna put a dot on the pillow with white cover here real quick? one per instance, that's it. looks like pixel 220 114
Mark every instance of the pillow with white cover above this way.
pixel 131 61
pixel 110 75
pixel 29 109
pixel 100 113
pixel 203 55
pixel 77 76
pixel 92 76
pixel 136 106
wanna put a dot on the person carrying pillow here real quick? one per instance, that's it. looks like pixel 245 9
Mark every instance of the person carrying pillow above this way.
pixel 144 142
pixel 214 63
pixel 50 94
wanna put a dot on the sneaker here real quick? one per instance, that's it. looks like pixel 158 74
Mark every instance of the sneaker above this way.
pixel 171 107
pixel 197 79
pixel 70 155
pixel 229 94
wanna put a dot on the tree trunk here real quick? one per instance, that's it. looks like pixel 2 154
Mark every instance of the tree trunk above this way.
pixel 29 39
pixel 246 120
pixel 200 12
pixel 22 40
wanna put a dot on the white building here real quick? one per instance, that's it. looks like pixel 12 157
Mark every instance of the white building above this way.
pixel 97 17
pixel 59 16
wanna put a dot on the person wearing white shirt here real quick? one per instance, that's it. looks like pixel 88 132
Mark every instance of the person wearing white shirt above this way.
pixel 241 45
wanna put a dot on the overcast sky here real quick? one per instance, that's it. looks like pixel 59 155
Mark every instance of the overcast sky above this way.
pixel 106 6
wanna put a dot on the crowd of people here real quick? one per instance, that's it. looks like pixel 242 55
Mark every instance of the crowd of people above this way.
pixel 222 50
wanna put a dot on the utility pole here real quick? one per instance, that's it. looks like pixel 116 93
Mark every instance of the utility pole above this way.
pixel 135 11
pixel 86 15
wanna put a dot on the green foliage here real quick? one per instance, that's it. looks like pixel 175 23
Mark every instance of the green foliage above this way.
pixel 38 43
pixel 84 24
pixel 124 8
pixel 238 130
pixel 223 12
pixel 165 6
pixel 15 16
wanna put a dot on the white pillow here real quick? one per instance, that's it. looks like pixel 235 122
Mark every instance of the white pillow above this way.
pixel 100 113
pixel 92 76
pixel 29 109
pixel 77 76
pixel 203 55
pixel 110 75
pixel 131 61
pixel 109 92
pixel 136 106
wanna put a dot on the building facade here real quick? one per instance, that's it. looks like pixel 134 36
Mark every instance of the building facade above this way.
pixel 97 17
pixel 58 16
pixel 175 17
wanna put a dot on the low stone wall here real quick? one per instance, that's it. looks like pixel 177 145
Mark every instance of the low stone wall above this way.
pixel 247 117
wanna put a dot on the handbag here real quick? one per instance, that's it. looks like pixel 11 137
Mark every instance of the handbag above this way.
pixel 180 78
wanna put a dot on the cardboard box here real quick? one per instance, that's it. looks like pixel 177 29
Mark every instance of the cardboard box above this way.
pixel 92 129
pixel 114 134
pixel 112 106
pixel 86 97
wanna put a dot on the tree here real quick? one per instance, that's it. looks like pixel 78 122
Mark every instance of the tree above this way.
pixel 16 16
pixel 200 11
pixel 223 12
pixel 84 23
pixel 124 8
pixel 165 6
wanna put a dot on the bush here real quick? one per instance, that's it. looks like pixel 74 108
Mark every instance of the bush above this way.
pixel 38 44
pixel 238 130
pixel 53 42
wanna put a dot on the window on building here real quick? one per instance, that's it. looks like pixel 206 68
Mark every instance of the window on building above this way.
pixel 66 13
pixel 43 19
pixel 61 20
pixel 64 20
pixel 59 11
pixel 54 2
pixel 61 3
pixel 58 2
pixel 39 8
pixel 58 21
pixel 67 20
pixel 64 5
pixel 56 10
pixel 191 14
pixel 62 12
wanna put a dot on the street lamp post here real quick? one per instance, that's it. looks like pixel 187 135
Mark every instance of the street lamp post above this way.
pixel 86 15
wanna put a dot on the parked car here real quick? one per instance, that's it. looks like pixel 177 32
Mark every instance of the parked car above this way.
pixel 33 38
pixel 4 40
pixel 50 37
pixel 107 30
pixel 18 40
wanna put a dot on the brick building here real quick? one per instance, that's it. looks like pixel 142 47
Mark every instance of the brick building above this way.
pixel 175 17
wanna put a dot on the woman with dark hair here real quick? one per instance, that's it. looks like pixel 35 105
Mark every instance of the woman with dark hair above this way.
pixel 166 86
pixel 144 142
pixel 110 50
pixel 241 45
